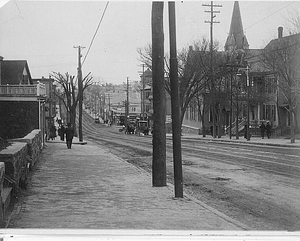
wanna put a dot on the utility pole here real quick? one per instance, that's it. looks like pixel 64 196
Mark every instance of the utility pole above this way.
pixel 159 173
pixel 143 93
pixel 212 16
pixel 109 98
pixel 176 123
pixel 127 103
pixel 80 90
pixel 248 100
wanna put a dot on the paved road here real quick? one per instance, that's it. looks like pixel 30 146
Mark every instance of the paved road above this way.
pixel 86 187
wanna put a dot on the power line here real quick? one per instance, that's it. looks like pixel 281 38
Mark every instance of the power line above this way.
pixel 270 15
pixel 95 33
pixel 264 18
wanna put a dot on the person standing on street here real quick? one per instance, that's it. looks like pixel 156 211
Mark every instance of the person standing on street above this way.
pixel 245 131
pixel 268 128
pixel 262 130
pixel 63 130
pixel 69 135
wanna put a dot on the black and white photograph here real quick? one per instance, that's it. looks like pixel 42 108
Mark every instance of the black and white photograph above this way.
pixel 138 120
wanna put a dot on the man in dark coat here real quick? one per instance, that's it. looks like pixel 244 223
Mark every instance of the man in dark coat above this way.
pixel 69 135
pixel 245 132
pixel 262 130
pixel 268 128
pixel 63 130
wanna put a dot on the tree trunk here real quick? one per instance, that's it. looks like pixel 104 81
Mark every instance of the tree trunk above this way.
pixel 237 122
pixel 203 122
pixel 73 119
pixel 219 121
pixel 292 126
pixel 159 105
pixel 80 121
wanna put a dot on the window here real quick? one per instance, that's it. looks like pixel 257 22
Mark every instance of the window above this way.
pixel 192 108
pixel 270 85
pixel 187 113
pixel 269 112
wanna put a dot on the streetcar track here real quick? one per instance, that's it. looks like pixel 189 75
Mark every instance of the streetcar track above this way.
pixel 245 165
pixel 96 132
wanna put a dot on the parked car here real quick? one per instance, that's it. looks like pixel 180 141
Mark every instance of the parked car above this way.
pixel 97 120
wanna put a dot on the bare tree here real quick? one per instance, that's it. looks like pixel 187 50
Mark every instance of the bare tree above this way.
pixel 294 22
pixel 69 94
pixel 193 70
pixel 146 56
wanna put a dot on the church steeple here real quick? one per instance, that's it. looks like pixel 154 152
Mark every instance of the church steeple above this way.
pixel 236 38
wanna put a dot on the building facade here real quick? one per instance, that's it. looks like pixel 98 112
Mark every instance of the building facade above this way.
pixel 22 103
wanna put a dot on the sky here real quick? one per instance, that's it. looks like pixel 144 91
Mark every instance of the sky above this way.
pixel 45 33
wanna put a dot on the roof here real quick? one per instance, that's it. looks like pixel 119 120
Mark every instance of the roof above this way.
pixel 253 57
pixel 292 39
pixel 12 71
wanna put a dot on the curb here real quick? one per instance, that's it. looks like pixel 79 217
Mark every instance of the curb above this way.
pixel 245 143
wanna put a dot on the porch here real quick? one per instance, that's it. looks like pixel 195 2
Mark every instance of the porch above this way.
pixel 22 92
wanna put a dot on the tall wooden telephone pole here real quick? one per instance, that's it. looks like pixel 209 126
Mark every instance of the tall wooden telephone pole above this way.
pixel 175 102
pixel 143 93
pixel 212 16
pixel 80 91
pixel 159 173
pixel 127 104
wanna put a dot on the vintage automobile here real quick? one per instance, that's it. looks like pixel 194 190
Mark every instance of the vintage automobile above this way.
pixel 142 127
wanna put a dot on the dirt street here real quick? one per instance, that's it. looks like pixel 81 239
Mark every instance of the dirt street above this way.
pixel 261 200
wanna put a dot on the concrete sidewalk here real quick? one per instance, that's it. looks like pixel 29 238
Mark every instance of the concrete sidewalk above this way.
pixel 88 187
pixel 283 142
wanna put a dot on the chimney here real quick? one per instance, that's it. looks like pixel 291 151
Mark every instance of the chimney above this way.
pixel 280 30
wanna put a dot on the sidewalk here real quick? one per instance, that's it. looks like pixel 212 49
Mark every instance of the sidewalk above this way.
pixel 87 187
pixel 281 142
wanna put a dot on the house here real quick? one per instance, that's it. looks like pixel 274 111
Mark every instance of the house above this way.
pixel 282 57
pixel 22 102
pixel 50 101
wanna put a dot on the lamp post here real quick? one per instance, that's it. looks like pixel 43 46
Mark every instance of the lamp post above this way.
pixel 248 105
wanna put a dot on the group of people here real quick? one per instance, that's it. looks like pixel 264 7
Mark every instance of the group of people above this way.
pixel 62 132
pixel 265 129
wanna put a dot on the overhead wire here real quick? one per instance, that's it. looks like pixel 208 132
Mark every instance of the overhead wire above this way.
pixel 89 48
pixel 290 3
pixel 270 15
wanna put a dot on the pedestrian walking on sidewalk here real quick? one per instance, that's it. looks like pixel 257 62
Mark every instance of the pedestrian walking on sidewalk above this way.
pixel 268 128
pixel 262 130
pixel 69 135
pixel 52 132
pixel 63 132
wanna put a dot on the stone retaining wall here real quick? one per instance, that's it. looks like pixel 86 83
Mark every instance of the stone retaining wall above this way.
pixel 15 159
pixel 34 142
pixel 15 163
